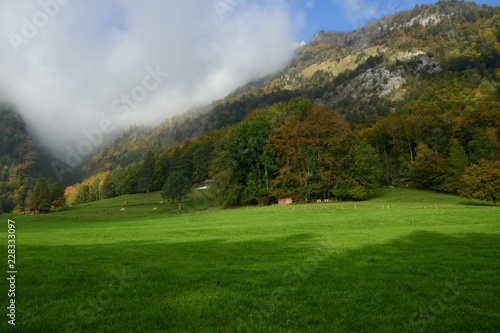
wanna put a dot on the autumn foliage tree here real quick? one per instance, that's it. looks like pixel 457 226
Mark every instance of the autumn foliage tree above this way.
pixel 361 175
pixel 457 163
pixel 176 187
pixel 58 200
pixel 318 156
pixel 482 181
pixel 41 196
pixel 428 169
pixel 303 145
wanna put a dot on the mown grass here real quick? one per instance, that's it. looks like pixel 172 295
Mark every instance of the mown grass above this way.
pixel 406 261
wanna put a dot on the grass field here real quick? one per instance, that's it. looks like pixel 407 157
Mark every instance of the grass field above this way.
pixel 406 261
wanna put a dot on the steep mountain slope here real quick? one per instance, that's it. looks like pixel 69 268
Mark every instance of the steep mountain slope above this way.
pixel 364 75
pixel 410 100
pixel 18 160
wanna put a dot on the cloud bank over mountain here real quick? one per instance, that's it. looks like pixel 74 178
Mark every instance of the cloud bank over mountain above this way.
pixel 76 68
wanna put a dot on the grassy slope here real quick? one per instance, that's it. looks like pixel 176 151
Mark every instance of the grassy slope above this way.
pixel 337 267
pixel 343 64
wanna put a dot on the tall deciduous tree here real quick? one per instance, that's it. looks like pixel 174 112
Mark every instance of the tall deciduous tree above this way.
pixel 176 187
pixel 40 198
pixel 482 181
pixel 221 169
pixel 246 147
pixel 428 169
pixel 118 181
pixel 82 194
pixel 309 146
pixel 57 197
pixel 241 165
pixel 131 176
pixel 457 163
pixel 108 187
pixel 481 147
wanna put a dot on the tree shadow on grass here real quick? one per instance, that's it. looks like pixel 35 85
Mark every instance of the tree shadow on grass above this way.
pixel 421 282
pixel 424 282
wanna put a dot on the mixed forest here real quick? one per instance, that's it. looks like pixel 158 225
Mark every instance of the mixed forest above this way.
pixel 410 100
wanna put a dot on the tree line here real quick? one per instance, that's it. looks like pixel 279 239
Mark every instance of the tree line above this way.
pixel 307 152
pixel 434 133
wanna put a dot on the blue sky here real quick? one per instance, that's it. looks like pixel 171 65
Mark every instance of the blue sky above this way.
pixel 347 15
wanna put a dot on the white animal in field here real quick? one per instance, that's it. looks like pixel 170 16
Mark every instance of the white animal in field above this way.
pixel 155 209
pixel 161 202
pixel 122 210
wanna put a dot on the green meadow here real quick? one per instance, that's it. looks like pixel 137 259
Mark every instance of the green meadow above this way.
pixel 405 261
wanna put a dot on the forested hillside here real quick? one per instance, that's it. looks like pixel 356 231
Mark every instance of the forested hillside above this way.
pixel 18 158
pixel 412 99
pixel 364 75
pixel 132 144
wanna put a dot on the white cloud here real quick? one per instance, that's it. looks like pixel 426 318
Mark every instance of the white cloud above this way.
pixel 75 59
